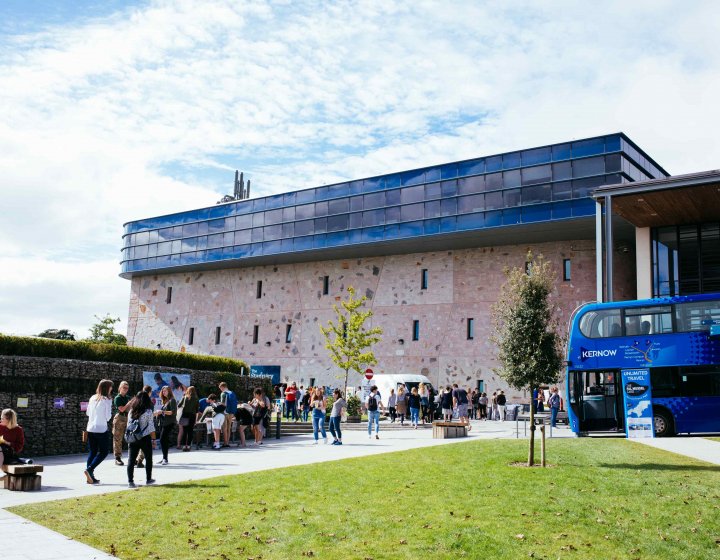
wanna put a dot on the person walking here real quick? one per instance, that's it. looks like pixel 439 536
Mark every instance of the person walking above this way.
pixel 189 404
pixel 501 401
pixel 261 407
pixel 414 404
pixel 318 405
pixel 392 400
pixel 482 405
pixel 554 404
pixel 336 416
pixel 373 403
pixel 121 402
pixel 460 404
pixel 139 462
pixel 142 411
pixel 305 404
pixel 167 418
pixel 494 406
pixel 99 412
pixel 401 404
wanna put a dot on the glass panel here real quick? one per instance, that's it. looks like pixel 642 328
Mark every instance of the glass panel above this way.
pixel 689 259
pixel 613 163
pixel 588 147
pixel 321 209
pixel 272 232
pixel 470 185
pixel 588 166
pixel 493 200
pixel 697 316
pixel 258 219
pixel 256 235
pixel 337 238
pixel 512 197
pixel 392 181
pixel 448 171
pixel 164 248
pixel 432 191
pixel 356 187
pixel 336 191
pixel 448 224
pixel 273 217
pixel 304 211
pixel 373 233
pixel 241 222
pixel 412 212
pixel 448 207
pixel 536 156
pixel 412 194
pixel 190 230
pixel 307 195
pixel 601 324
pixel 373 217
pixel 356 203
pixel 392 214
pixel 648 320
pixel 228 238
pixel 432 209
pixel 392 197
pixel 493 163
pixel 431 226
pixel 163 234
pixel 319 241
pixel 583 187
pixel 321 193
pixel 534 175
pixel 562 190
pixel 305 227
pixel 448 188
pixel 337 223
pixel 202 242
pixel 258 205
pixel 288 214
pixel 472 203
pixel 338 206
pixel 471 221
pixel 710 257
pixel 536 193
pixel 320 225
pixel 374 200
pixel 412 177
pixel 472 167
pixel 561 151
pixel 302 243
pixel 511 178
pixel 432 174
pixel 612 143
pixel 374 184
pixel 356 220
pixel 494 181
pixel 289 199
pixel 275 201
pixel 213 242
pixel 410 229
pixel 288 230
pixel 511 161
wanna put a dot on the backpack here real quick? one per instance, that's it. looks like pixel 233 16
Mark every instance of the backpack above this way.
pixel 133 432
pixel 372 403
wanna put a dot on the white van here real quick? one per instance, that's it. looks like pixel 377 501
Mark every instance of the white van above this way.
pixel 387 381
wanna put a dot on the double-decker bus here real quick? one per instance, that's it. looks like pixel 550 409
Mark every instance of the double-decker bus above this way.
pixel 676 338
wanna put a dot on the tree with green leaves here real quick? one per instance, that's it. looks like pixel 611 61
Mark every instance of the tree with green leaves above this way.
pixel 57 334
pixel 525 330
pixel 104 331
pixel 347 340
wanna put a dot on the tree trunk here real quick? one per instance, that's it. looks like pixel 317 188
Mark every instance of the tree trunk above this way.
pixel 531 452
pixel 347 371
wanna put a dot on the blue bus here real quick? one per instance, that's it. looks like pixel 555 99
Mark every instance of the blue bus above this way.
pixel 676 338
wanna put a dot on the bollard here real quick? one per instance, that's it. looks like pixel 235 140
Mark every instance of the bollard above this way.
pixel 277 424
pixel 542 445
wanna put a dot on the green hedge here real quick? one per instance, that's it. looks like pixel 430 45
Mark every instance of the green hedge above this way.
pixel 71 350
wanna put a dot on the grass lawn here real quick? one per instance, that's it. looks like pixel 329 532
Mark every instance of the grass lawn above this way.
pixel 714 438
pixel 605 499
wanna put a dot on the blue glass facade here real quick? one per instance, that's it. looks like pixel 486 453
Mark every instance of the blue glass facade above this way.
pixel 536 185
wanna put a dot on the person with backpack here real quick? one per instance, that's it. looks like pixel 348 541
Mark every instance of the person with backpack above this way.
pixel 373 403
pixel 140 435
pixel 167 418
pixel 229 399
pixel 188 406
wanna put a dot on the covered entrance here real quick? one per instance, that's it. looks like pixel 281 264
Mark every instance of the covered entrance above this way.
pixel 597 401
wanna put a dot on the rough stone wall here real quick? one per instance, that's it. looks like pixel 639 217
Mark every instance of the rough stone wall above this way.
pixel 52 431
pixel 462 283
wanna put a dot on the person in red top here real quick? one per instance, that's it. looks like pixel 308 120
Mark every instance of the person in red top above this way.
pixel 12 437
pixel 291 402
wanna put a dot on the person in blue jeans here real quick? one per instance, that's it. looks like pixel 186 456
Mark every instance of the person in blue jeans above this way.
pixel 99 412
pixel 305 404
pixel 414 404
pixel 318 405
pixel 373 403
pixel 335 416
pixel 554 404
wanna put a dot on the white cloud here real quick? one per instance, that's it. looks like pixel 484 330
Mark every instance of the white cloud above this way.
pixel 94 114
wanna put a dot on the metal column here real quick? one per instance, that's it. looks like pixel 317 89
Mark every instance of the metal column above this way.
pixel 608 249
pixel 598 251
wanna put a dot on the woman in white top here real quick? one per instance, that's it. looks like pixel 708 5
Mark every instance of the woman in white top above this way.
pixel 99 413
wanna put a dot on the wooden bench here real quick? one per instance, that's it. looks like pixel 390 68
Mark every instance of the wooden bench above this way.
pixel 23 478
pixel 447 430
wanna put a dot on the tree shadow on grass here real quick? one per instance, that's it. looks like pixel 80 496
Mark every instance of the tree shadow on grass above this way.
pixel 660 467
pixel 186 485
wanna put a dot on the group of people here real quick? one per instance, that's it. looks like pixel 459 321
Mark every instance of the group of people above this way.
pixel 142 423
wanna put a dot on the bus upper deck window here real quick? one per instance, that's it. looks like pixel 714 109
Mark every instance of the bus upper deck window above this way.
pixel 697 316
pixel 648 320
pixel 601 323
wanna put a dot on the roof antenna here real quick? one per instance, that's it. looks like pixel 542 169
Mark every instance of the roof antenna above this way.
pixel 240 190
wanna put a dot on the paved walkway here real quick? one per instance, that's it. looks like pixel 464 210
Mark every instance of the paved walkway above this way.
pixel 696 447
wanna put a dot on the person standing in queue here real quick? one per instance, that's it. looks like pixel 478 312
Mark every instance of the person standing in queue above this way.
pixel 318 405
pixel 121 402
pixel 166 420
pixel 261 406
pixel 189 405
pixel 336 415
pixel 142 411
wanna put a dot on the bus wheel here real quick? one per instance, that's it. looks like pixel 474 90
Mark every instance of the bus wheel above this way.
pixel 663 423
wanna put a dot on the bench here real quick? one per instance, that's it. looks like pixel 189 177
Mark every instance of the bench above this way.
pixel 447 430
pixel 23 478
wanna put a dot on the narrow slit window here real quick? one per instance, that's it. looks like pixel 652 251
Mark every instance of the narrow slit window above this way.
pixel 168 298
pixel 566 270
pixel 217 335
pixel 326 285
pixel 256 333
pixel 288 333
pixel 416 330
pixel 259 289
pixel 424 279
pixel 470 328
pixel 191 336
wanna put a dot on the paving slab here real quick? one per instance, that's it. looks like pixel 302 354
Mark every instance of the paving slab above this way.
pixel 696 447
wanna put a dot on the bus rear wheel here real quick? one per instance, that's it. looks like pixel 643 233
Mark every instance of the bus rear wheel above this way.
pixel 663 423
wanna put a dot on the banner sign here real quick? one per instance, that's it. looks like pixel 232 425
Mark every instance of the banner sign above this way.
pixel 637 394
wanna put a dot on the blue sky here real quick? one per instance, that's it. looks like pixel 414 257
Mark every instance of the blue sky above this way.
pixel 113 111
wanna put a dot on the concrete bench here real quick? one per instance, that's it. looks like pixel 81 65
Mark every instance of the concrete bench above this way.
pixel 23 478
pixel 447 430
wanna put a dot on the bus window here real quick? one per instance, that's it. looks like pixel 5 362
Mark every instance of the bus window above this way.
pixel 664 381
pixel 701 381
pixel 648 320
pixel 697 316
pixel 601 323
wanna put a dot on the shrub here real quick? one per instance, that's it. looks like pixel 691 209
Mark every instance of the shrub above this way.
pixel 353 406
pixel 72 350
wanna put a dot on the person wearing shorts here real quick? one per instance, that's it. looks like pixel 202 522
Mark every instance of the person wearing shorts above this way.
pixel 215 411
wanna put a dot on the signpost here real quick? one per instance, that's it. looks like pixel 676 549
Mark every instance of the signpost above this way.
pixel 637 394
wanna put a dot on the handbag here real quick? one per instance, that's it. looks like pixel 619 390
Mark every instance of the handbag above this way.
pixel 179 418
pixel 84 436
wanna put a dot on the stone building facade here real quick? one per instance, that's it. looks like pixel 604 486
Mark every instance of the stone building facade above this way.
pixel 461 284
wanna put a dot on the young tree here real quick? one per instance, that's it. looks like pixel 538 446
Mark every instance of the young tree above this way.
pixel 104 331
pixel 347 340
pixel 526 332
pixel 58 334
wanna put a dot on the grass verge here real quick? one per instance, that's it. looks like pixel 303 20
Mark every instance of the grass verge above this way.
pixel 602 499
